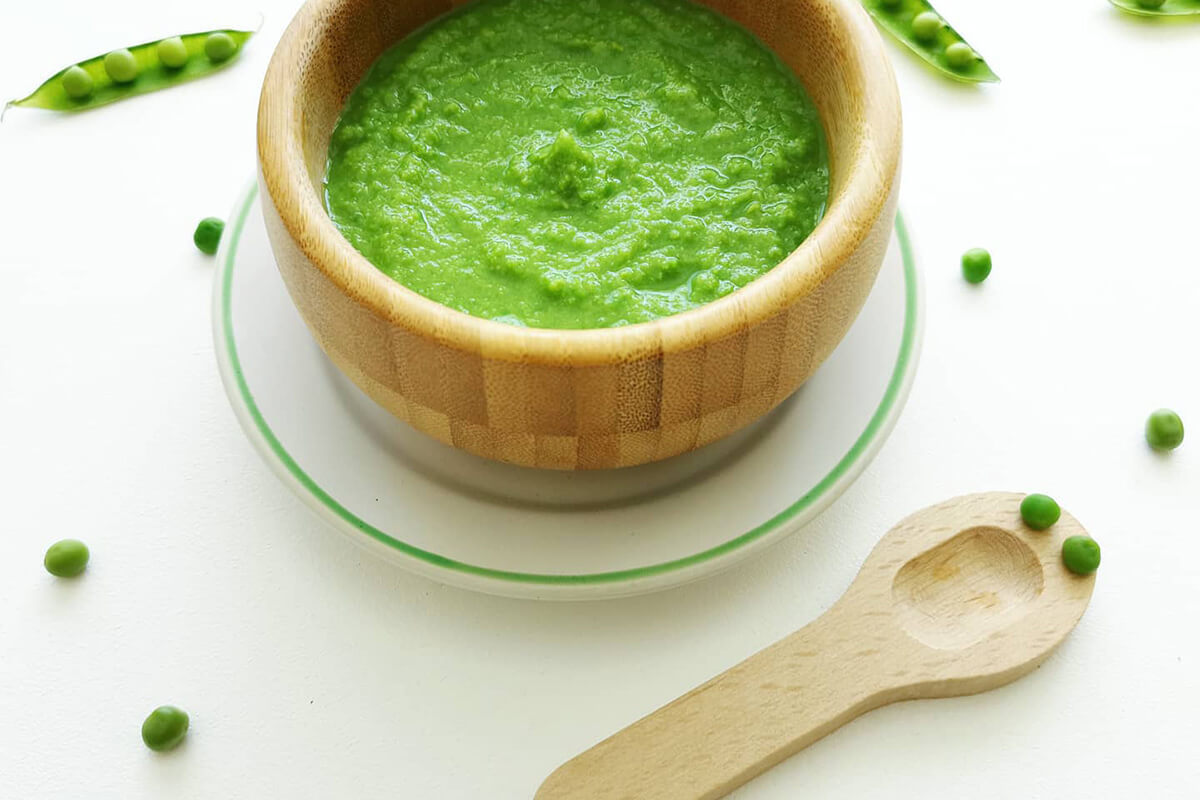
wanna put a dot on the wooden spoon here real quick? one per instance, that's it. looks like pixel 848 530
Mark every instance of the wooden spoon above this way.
pixel 958 598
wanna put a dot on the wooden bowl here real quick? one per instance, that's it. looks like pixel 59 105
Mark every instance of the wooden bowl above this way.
pixel 581 399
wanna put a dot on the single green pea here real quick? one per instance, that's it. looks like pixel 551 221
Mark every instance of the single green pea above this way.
pixel 593 119
pixel 976 265
pixel 77 82
pixel 121 66
pixel 926 26
pixel 1040 511
pixel 172 52
pixel 219 46
pixel 165 728
pixel 208 235
pixel 1164 430
pixel 1151 3
pixel 1081 555
pixel 67 558
pixel 960 55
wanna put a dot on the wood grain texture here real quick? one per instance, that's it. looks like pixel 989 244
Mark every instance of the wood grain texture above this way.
pixel 594 398
pixel 959 598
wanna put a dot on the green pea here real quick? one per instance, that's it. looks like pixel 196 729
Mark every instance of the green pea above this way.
pixel 1040 511
pixel 1164 430
pixel 165 728
pixel 593 119
pixel 117 75
pixel 77 82
pixel 208 234
pixel 926 26
pixel 121 66
pixel 976 265
pixel 219 46
pixel 1081 555
pixel 173 53
pixel 66 558
pixel 959 55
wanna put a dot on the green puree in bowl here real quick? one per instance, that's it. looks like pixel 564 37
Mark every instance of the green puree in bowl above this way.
pixel 577 163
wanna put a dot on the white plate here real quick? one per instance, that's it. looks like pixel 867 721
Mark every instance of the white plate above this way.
pixel 491 527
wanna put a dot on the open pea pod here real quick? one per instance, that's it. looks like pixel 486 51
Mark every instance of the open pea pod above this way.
pixel 1169 8
pixel 137 70
pixel 918 26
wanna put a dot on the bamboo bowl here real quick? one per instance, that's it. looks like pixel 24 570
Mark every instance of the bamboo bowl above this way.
pixel 583 399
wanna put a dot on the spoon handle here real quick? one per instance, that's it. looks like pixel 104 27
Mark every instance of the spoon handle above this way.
pixel 742 722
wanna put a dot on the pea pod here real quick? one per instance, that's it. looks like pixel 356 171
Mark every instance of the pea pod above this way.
pixel 1169 8
pixel 141 69
pixel 920 28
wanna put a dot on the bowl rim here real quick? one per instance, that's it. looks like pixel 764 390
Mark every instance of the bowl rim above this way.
pixel 848 219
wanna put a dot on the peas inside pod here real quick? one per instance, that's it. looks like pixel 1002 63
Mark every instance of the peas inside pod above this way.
pixel 926 26
pixel 132 71
pixel 77 82
pixel 219 46
pixel 960 55
pixel 121 66
pixel 1159 8
pixel 918 26
pixel 173 53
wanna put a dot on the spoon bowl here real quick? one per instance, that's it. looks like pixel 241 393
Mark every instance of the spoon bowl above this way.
pixel 958 598
pixel 960 591
pixel 970 588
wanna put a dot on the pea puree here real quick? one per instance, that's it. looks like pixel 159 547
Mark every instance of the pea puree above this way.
pixel 577 163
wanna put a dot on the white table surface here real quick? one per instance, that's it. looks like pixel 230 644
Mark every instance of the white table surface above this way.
pixel 312 670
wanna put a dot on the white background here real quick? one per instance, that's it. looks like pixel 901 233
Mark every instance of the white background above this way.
pixel 312 670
